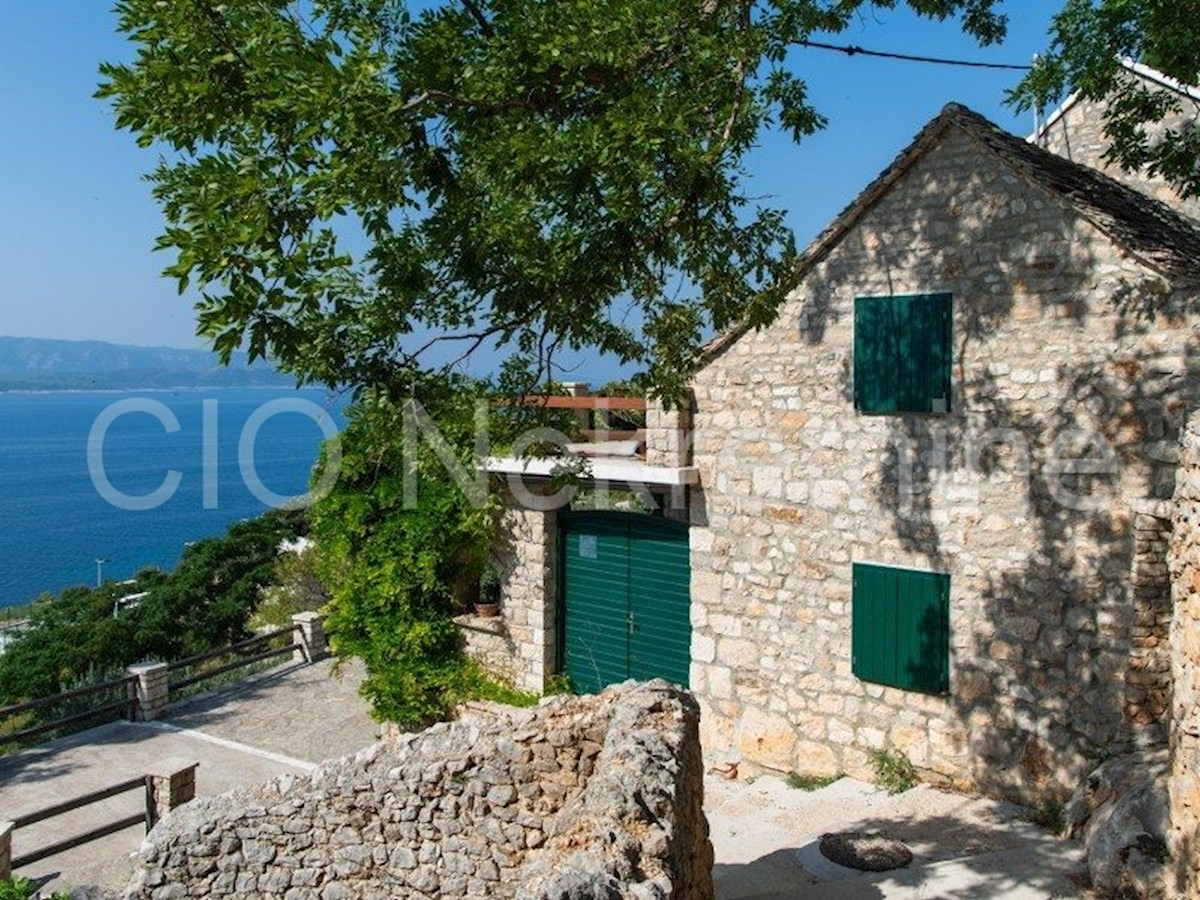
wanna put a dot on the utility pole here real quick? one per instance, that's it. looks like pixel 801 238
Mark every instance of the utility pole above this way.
pixel 100 562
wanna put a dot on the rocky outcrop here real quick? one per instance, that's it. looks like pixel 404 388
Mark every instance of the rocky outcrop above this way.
pixel 1122 815
pixel 589 797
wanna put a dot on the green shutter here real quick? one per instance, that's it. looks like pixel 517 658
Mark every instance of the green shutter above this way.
pixel 873 625
pixel 901 628
pixel 875 356
pixel 923 631
pixel 924 334
pixel 903 353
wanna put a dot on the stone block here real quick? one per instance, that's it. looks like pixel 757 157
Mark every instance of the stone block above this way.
pixel 767 739
pixel 171 783
pixel 309 638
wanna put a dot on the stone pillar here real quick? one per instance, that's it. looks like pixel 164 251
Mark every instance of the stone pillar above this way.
pixel 6 830
pixel 309 637
pixel 525 554
pixel 1148 679
pixel 152 690
pixel 170 783
pixel 668 435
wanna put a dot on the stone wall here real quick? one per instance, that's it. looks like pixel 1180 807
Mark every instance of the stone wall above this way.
pixel 526 555
pixel 1184 780
pixel 592 797
pixel 487 641
pixel 1078 134
pixel 1058 335
pixel 1148 678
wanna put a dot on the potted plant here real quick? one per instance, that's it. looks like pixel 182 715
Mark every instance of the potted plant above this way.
pixel 488 604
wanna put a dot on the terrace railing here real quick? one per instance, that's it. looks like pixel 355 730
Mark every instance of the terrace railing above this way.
pixel 144 692
pixel 125 703
pixel 163 790
pixel 193 670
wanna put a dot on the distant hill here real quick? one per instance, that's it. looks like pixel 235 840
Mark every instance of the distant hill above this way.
pixel 40 364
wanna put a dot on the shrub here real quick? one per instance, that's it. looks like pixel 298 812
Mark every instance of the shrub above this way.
pixel 811 782
pixel 893 770
pixel 1048 815
pixel 22 889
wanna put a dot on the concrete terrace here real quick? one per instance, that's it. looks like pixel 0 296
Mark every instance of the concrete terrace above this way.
pixel 279 722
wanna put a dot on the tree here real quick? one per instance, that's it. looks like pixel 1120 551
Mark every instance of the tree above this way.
pixel 361 191
pixel 1089 41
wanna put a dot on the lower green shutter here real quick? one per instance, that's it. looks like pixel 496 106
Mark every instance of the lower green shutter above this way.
pixel 923 631
pixel 901 628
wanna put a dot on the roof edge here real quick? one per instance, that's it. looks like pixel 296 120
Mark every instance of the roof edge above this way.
pixel 844 221
pixel 1145 71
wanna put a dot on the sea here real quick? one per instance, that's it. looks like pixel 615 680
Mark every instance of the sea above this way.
pixel 103 484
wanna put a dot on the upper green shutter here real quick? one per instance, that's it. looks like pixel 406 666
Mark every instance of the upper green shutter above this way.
pixel 903 353
pixel 876 375
pixel 901 628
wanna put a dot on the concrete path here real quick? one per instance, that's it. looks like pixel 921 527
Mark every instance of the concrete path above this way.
pixel 282 721
pixel 765 835
pixel 301 712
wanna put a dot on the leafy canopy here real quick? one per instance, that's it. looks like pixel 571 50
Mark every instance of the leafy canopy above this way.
pixel 1089 40
pixel 365 189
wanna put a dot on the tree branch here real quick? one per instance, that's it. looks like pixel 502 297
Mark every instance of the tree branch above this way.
pixel 485 27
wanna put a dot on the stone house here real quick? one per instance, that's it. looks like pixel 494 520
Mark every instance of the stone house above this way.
pixel 1076 131
pixel 928 508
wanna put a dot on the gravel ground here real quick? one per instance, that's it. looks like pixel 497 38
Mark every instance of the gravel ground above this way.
pixel 765 835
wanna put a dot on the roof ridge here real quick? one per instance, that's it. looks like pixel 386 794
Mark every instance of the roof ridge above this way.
pixel 1163 239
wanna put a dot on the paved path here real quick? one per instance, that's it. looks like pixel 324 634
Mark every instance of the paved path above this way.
pixel 278 722
pixel 765 837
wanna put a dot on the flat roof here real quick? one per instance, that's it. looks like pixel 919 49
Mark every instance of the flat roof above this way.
pixel 623 470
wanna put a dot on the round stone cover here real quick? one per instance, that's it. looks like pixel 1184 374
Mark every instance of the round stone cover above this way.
pixel 865 851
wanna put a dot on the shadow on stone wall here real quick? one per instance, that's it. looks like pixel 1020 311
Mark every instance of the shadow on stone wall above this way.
pixel 1041 679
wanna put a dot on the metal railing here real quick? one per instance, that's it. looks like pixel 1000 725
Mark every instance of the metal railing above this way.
pixel 242 653
pixel 146 817
pixel 125 705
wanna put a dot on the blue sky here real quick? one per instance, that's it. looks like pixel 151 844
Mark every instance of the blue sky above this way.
pixel 77 222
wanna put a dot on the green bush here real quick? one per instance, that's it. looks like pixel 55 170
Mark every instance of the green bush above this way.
pixel 1049 815
pixel 296 587
pixel 22 889
pixel 893 770
pixel 399 566
pixel 811 782
pixel 489 585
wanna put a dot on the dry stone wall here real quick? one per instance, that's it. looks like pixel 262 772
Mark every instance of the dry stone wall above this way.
pixel 1058 335
pixel 593 797
pixel 1184 781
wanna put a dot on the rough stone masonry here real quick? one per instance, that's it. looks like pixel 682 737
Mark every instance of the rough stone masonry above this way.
pixel 591 797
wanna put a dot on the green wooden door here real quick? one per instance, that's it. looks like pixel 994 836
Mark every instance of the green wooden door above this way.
pixel 624 599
